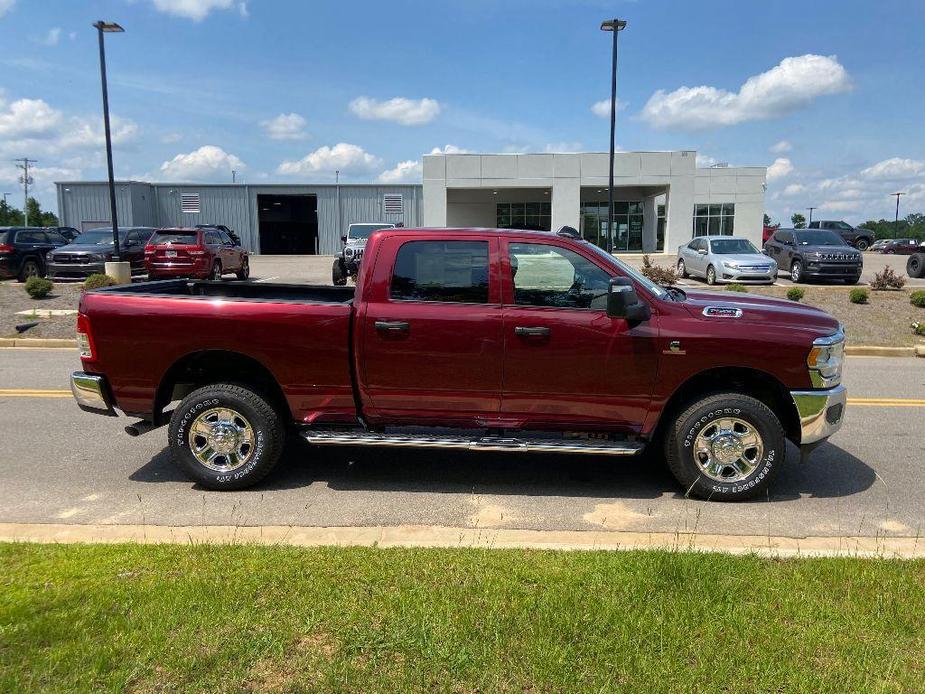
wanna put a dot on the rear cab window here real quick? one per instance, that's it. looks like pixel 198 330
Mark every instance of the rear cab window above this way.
pixel 187 238
pixel 446 271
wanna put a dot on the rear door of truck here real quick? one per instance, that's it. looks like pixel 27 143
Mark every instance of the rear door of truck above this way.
pixel 430 328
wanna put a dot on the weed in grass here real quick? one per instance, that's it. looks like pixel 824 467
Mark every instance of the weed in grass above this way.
pixel 917 298
pixel 795 294
pixel 918 328
pixel 38 287
pixel 858 295
pixel 736 287
pixel 887 279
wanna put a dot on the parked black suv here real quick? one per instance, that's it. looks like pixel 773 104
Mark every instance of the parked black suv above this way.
pixel 859 237
pixel 23 251
pixel 90 252
pixel 814 254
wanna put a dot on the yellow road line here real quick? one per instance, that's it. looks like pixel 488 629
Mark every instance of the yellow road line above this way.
pixel 33 393
pixel 886 402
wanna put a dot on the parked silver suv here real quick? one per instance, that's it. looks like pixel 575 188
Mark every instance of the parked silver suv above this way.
pixel 725 259
pixel 347 262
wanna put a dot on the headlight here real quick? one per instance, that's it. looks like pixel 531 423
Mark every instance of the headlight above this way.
pixel 731 265
pixel 825 360
pixel 348 252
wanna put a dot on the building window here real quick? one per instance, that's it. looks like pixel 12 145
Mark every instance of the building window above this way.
pixel 392 203
pixel 627 224
pixel 189 203
pixel 716 219
pixel 530 216
pixel 660 230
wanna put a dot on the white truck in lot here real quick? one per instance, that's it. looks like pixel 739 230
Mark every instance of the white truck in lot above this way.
pixel 347 262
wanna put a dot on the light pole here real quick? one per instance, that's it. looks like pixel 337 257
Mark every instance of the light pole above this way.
pixel 234 176
pixel 615 26
pixel 122 275
pixel 896 221
pixel 811 213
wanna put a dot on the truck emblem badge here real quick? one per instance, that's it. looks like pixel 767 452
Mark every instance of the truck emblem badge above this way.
pixel 674 347
pixel 722 312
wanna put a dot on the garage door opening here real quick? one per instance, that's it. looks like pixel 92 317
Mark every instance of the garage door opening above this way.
pixel 288 224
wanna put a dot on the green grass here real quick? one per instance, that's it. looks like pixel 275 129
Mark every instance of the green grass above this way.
pixel 248 618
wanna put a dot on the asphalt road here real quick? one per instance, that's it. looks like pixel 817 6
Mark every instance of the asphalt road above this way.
pixel 60 465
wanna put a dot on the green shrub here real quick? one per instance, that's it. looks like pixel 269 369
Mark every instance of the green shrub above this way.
pixel 660 275
pixel 917 298
pixel 795 294
pixel 97 281
pixel 38 287
pixel 736 287
pixel 858 295
pixel 887 279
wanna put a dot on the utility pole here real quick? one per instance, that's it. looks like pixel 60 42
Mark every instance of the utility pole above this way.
pixel 26 181
pixel 615 26
pixel 896 221
pixel 234 175
pixel 811 213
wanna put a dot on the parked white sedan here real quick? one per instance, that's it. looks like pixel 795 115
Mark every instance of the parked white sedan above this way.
pixel 725 259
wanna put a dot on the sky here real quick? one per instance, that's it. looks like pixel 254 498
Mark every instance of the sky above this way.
pixel 828 94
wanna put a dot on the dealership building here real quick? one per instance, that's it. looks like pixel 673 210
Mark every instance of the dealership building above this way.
pixel 661 200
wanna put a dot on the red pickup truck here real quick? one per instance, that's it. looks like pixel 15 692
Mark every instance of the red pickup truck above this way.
pixel 509 340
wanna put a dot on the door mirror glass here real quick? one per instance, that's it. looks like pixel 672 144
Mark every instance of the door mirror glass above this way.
pixel 623 302
pixel 702 251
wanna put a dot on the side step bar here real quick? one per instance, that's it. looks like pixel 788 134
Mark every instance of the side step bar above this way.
pixel 486 443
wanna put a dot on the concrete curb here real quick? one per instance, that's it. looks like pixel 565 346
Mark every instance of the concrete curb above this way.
pixel 438 536
pixel 45 342
pixel 875 351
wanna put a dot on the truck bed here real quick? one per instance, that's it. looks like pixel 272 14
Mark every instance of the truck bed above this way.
pixel 249 291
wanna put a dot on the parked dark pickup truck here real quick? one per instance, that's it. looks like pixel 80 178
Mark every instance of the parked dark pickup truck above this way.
pixel 514 341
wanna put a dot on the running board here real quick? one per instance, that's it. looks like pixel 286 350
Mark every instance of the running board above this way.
pixel 486 443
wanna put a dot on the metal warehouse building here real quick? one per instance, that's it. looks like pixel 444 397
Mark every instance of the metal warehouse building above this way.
pixel 661 200
pixel 270 219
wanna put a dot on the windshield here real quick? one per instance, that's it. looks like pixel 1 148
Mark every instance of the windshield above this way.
pixel 187 237
pixel 629 272
pixel 99 237
pixel 818 238
pixel 363 231
pixel 732 246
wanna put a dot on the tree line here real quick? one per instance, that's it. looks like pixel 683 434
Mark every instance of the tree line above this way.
pixel 13 217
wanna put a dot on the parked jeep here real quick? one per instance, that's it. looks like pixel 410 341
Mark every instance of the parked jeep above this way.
pixel 347 262
pixel 814 254
pixel 859 237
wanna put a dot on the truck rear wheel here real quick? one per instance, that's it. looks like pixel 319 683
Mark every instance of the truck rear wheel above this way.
pixel 725 447
pixel 915 266
pixel 225 436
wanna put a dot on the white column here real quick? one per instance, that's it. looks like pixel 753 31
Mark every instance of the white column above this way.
pixel 649 224
pixel 566 202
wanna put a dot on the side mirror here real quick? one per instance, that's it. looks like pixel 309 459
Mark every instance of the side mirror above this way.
pixel 343 238
pixel 623 302
pixel 702 251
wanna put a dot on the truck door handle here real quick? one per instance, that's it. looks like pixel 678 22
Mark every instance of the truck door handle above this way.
pixel 392 326
pixel 531 331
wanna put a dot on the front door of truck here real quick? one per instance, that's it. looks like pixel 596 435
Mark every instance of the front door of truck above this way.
pixel 566 362
pixel 431 344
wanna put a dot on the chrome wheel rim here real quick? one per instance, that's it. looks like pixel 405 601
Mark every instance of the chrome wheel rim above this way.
pixel 795 272
pixel 728 450
pixel 711 275
pixel 222 439
pixel 216 272
pixel 31 270
pixel 680 267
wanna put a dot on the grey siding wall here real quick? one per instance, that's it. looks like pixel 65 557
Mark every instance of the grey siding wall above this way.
pixel 236 206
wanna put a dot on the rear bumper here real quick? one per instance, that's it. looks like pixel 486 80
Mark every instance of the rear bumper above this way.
pixel 168 270
pixel 821 412
pixel 92 393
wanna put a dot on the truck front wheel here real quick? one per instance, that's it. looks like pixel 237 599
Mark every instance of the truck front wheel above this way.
pixel 225 436
pixel 339 273
pixel 725 447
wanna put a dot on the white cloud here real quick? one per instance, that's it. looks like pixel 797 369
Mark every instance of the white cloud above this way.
pixel 344 157
pixel 404 172
pixel 171 138
pixel 449 149
pixel 781 147
pixel 792 84
pixel 562 147
pixel 206 163
pixel 794 189
pixel 601 108
pixel 704 161
pixel 286 126
pixel 6 6
pixel 398 110
pixel 840 205
pixel 894 169
pixel 52 37
pixel 779 169
pixel 28 118
pixel 197 10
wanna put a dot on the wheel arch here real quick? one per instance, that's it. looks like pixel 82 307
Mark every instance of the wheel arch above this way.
pixel 206 367
pixel 744 380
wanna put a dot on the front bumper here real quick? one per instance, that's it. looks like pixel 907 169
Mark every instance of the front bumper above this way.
pixel 821 412
pixel 75 269
pixel 92 393
pixel 823 270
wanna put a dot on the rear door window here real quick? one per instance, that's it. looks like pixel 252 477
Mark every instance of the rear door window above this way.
pixel 449 271
pixel 31 236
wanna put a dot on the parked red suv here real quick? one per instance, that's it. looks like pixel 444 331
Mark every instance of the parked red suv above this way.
pixel 198 253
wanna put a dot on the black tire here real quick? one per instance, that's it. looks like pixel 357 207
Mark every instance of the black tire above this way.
pixel 216 274
pixel 267 436
pixel 853 280
pixel 862 244
pixel 915 266
pixel 682 268
pixel 245 270
pixel 701 417
pixel 339 273
pixel 711 275
pixel 30 268
pixel 796 271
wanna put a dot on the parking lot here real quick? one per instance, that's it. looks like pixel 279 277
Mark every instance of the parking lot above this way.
pixel 64 466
